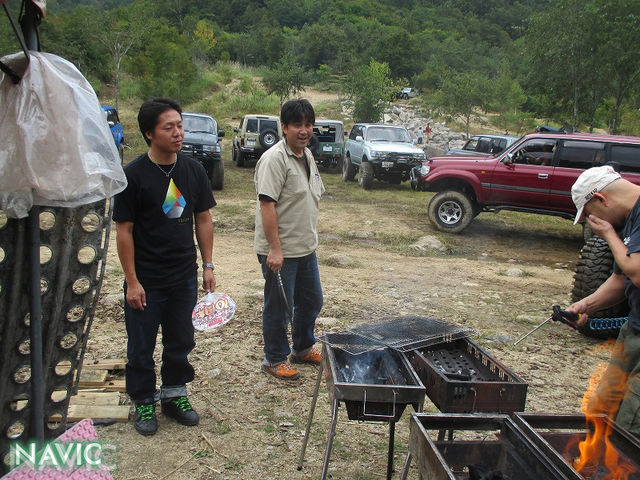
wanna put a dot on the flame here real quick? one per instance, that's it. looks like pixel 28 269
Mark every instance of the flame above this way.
pixel 603 396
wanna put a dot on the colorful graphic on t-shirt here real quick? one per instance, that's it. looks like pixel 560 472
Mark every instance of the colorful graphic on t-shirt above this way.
pixel 174 202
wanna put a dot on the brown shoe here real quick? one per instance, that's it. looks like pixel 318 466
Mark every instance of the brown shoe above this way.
pixel 313 357
pixel 283 371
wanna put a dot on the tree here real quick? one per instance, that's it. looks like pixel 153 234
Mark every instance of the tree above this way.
pixel 461 95
pixel 369 88
pixel 286 78
pixel 124 31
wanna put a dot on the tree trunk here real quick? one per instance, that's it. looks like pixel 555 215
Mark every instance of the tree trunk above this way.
pixel 116 92
pixel 616 109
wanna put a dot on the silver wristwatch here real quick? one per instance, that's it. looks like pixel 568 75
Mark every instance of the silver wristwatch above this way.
pixel 209 265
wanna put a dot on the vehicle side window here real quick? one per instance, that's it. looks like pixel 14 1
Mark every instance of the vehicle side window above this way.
pixel 112 116
pixel 483 145
pixel 471 144
pixel 627 157
pixel 538 151
pixel 581 154
pixel 355 131
pixel 498 145
pixel 252 125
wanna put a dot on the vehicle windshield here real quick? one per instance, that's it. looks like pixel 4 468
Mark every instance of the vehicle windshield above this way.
pixel 198 124
pixel 386 134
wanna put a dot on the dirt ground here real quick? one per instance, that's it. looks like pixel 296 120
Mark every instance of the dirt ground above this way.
pixel 500 277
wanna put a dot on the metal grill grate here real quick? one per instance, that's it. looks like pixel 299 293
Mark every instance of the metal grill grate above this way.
pixel 410 332
pixel 350 342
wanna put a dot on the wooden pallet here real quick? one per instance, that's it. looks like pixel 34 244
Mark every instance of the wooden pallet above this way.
pixel 99 393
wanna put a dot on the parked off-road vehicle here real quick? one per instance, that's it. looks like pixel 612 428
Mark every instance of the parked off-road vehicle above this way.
pixel 534 175
pixel 255 135
pixel 385 152
pixel 202 142
pixel 327 143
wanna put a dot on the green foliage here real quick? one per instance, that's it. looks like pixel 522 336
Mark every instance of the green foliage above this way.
pixel 369 88
pixel 462 94
pixel 286 78
pixel 164 67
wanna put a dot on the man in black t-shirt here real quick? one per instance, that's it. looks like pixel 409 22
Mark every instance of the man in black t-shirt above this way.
pixel 610 203
pixel 154 218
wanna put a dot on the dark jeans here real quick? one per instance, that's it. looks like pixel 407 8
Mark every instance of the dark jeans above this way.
pixel 303 290
pixel 170 308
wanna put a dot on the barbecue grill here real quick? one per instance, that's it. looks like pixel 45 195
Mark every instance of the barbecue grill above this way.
pixel 461 377
pixel 376 386
pixel 557 436
pixel 491 442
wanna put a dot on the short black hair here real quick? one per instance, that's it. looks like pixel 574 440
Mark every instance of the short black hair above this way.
pixel 151 110
pixel 298 110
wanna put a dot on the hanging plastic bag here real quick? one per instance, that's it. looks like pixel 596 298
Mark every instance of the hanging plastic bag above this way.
pixel 212 311
pixel 56 146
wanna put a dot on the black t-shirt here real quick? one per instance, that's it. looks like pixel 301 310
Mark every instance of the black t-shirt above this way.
pixel 162 211
pixel 631 238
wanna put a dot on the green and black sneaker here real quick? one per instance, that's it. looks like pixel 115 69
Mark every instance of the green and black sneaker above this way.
pixel 144 420
pixel 180 409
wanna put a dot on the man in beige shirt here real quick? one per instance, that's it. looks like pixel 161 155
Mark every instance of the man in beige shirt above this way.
pixel 289 188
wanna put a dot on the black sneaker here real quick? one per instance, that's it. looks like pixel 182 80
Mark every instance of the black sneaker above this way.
pixel 180 409
pixel 144 420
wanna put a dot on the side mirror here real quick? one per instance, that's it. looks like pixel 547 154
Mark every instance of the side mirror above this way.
pixel 221 133
pixel 235 130
pixel 359 138
pixel 508 159
pixel 414 141
pixel 111 123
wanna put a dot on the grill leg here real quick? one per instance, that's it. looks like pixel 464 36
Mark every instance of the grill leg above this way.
pixel 332 432
pixel 405 467
pixel 392 435
pixel 309 420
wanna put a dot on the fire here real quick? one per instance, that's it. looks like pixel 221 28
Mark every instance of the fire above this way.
pixel 596 450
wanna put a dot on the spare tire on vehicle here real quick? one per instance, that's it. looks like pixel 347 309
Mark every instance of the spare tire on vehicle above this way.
pixel 594 266
pixel 268 138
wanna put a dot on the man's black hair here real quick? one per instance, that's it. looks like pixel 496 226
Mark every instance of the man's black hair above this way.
pixel 151 110
pixel 299 110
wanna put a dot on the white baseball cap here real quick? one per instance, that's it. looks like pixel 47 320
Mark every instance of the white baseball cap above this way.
pixel 591 181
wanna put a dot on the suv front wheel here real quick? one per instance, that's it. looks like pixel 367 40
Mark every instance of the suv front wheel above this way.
pixel 348 170
pixel 451 211
pixel 365 179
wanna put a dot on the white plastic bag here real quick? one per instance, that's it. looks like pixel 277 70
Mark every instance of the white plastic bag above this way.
pixel 212 311
pixel 56 148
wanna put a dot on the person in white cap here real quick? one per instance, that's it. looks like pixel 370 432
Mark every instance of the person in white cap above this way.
pixel 610 204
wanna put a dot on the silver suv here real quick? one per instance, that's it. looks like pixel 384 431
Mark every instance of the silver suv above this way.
pixel 255 135
pixel 385 152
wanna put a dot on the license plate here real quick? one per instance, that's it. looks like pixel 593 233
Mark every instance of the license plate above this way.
pixel 327 148
pixel 251 142
pixel 387 164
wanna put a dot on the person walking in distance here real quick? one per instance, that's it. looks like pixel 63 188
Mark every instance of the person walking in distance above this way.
pixel 167 195
pixel 289 187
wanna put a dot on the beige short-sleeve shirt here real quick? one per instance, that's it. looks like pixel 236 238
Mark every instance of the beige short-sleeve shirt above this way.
pixel 282 176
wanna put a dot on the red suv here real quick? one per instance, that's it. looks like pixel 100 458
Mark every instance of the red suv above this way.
pixel 534 175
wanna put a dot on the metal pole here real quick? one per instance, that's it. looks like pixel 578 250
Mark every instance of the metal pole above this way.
pixel 28 25
pixel 332 432
pixel 310 419
pixel 392 436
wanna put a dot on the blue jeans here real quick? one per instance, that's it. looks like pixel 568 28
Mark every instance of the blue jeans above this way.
pixel 171 309
pixel 303 291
